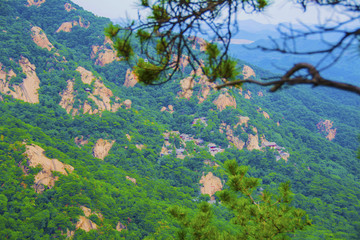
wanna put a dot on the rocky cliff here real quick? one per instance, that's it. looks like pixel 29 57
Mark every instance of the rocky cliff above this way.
pixel 326 127
pixel 104 54
pixel 225 100
pixel 102 148
pixel 211 184
pixel 67 26
pixel 130 79
pixel 36 3
pixel 28 89
pixel 40 38
pixel 248 72
pixel 100 94
pixel 36 157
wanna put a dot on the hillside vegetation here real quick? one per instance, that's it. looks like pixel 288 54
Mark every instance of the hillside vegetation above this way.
pixel 87 152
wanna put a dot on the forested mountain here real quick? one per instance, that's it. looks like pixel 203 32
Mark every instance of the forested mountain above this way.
pixel 86 152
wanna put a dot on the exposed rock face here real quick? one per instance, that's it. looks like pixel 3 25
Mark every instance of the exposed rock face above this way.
pixel 266 115
pixel 133 180
pixel 247 95
pixel 35 3
pixel 104 93
pixel 28 89
pixel 84 223
pixel 243 120
pixel 4 80
pixel 120 227
pixel 131 79
pixel 127 103
pixel 225 100
pixel 187 85
pixel 40 38
pixel 252 142
pixel 128 137
pixel 326 127
pixel 198 43
pixel 206 87
pixel 67 26
pixel 140 146
pixel 68 7
pixel 239 144
pixel 169 109
pixel 81 141
pixel 86 76
pixel 102 148
pixel 67 97
pixel 248 72
pixel 211 184
pixel 104 54
pixel 183 61
pixel 36 157
pixel 31 83
pixel 100 95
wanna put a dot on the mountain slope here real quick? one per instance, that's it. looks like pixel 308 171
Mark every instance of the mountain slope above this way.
pixel 126 145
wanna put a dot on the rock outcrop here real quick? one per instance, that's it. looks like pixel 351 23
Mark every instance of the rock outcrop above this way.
pixel 248 72
pixel 183 61
pixel 127 103
pixel 67 26
pixel 252 142
pixel 120 227
pixel 224 100
pixel 198 42
pixel 36 157
pixel 326 127
pixel 130 79
pixel 104 54
pixel 28 89
pixel 84 222
pixel 86 76
pixel 247 95
pixel 239 144
pixel 133 180
pixel 187 85
pixel 68 7
pixel 31 83
pixel 243 120
pixel 67 97
pixel 211 185
pixel 169 109
pixel 80 141
pixel 102 148
pixel 35 3
pixel 40 38
pixel 100 95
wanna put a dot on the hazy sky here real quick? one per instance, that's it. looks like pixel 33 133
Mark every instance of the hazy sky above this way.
pixel 280 11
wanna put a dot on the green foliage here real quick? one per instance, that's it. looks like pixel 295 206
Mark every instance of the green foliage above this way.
pixel 323 174
pixel 146 72
pixel 256 216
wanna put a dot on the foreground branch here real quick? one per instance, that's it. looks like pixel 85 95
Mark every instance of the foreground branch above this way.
pixel 315 80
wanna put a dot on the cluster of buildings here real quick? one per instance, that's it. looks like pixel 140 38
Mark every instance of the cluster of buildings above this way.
pixel 181 152
pixel 282 154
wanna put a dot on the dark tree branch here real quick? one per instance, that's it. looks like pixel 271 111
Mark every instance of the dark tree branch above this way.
pixel 315 80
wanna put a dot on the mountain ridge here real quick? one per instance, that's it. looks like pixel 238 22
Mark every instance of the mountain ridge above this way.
pixel 323 172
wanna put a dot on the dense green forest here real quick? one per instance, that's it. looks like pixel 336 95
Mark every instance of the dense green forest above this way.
pixel 150 166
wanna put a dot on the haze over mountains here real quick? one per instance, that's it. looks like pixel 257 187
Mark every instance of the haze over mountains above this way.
pixel 87 152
